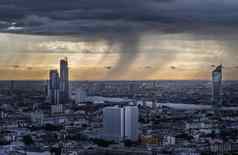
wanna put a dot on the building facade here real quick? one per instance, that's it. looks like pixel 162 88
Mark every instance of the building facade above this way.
pixel 121 123
pixel 58 85
pixel 64 79
pixel 54 87
pixel 217 85
pixel 131 122
pixel 113 123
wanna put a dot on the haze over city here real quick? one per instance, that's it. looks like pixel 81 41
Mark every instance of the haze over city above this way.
pixel 119 40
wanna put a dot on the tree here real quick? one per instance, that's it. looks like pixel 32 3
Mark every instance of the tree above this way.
pixel 102 143
pixel 27 140
pixel 128 143
pixel 3 141
pixel 51 127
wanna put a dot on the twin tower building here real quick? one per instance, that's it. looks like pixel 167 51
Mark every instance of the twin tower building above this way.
pixel 58 84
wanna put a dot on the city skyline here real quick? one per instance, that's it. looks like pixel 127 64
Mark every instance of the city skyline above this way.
pixel 71 74
pixel 118 77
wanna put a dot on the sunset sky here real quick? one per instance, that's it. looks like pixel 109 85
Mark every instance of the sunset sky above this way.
pixel 119 39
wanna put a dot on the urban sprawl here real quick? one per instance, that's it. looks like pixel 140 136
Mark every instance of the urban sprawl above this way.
pixel 63 117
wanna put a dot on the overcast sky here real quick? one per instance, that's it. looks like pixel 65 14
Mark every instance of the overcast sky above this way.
pixel 119 39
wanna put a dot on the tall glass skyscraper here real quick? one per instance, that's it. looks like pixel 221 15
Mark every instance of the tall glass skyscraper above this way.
pixel 54 87
pixel 217 85
pixel 64 80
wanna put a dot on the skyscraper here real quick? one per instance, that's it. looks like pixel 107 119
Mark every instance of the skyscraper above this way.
pixel 64 80
pixel 54 87
pixel 131 122
pixel 217 85
pixel 113 123
pixel 121 123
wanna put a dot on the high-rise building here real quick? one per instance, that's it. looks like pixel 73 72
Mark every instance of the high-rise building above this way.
pixel 113 123
pixel 64 80
pixel 131 122
pixel 54 87
pixel 59 85
pixel 120 123
pixel 217 85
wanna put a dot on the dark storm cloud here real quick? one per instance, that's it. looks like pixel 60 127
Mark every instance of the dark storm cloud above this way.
pixel 93 20
pixel 75 16
pixel 130 51
pixel 75 9
pixel 87 17
pixel 120 22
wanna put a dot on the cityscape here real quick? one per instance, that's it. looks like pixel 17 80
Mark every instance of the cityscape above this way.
pixel 59 116
pixel 118 77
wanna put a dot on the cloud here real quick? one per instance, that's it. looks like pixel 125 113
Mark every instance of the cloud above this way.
pixel 121 24
pixel 148 67
pixel 16 66
pixel 34 20
pixel 108 67
pixel 173 67
pixel 14 28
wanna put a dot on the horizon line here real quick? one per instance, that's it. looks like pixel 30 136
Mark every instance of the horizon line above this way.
pixel 116 80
